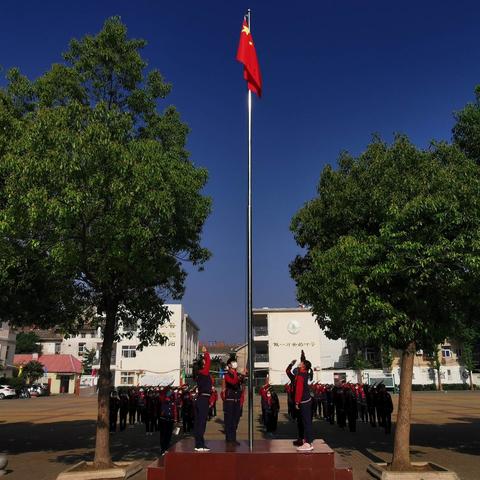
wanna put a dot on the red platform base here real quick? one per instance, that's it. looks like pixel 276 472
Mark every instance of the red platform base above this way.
pixel 270 460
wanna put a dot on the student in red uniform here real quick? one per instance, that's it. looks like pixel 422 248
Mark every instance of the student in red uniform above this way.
pixel 204 385
pixel 212 412
pixel 295 413
pixel 303 403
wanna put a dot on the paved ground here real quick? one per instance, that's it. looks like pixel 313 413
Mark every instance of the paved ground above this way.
pixel 43 436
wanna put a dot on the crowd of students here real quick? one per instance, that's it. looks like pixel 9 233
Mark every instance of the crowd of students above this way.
pixel 348 403
pixel 158 408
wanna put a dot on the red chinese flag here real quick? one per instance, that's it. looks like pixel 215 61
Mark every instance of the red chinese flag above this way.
pixel 247 55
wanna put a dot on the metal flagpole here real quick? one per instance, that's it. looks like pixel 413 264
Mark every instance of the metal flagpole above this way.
pixel 249 269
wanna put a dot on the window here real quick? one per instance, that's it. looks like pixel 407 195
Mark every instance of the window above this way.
pixel 81 349
pixel 370 354
pixel 446 352
pixel 458 352
pixel 58 347
pixel 83 335
pixel 129 351
pixel 127 378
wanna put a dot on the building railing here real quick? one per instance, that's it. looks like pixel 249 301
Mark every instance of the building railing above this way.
pixel 261 357
pixel 260 331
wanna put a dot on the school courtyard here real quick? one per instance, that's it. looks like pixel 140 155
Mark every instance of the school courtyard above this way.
pixel 45 435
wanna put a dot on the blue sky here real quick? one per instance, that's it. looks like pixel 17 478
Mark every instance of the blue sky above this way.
pixel 334 73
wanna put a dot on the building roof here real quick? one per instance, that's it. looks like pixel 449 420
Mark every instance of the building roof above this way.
pixel 53 363
pixel 282 309
pixel 218 347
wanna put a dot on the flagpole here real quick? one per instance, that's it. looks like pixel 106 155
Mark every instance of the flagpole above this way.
pixel 249 269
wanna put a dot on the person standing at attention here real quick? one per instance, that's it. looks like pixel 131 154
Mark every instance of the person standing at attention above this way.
pixel 204 385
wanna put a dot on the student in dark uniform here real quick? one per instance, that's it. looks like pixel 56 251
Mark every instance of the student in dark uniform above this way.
pixel 370 396
pixel 231 405
pixel 132 406
pixel 150 412
pixel 330 404
pixel 339 400
pixel 123 410
pixel 114 406
pixel 187 410
pixel 351 407
pixel 385 399
pixel 303 403
pixel 204 385
pixel 168 407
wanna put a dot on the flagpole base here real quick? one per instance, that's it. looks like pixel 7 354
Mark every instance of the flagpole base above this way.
pixel 276 459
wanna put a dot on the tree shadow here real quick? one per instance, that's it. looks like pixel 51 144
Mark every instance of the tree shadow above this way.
pixel 75 441
pixel 460 436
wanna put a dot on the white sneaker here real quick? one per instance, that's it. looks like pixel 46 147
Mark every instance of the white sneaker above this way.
pixel 306 447
pixel 202 449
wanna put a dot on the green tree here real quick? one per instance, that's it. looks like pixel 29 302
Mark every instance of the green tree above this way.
pixel 88 360
pixel 391 247
pixel 99 200
pixel 28 342
pixel 32 371
pixel 466 131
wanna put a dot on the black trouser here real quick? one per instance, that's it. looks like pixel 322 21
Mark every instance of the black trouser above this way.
pixel 271 420
pixel 381 417
pixel 123 420
pixel 166 429
pixel 388 422
pixel 131 416
pixel 341 417
pixel 201 414
pixel 300 424
pixel 140 414
pixel 187 422
pixel 325 408
pixel 371 415
pixel 352 420
pixel 113 422
pixel 363 413
pixel 149 422
pixel 291 409
pixel 306 415
pixel 231 409
pixel 331 413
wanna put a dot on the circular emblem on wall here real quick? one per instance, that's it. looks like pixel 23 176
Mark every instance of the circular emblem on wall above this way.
pixel 293 327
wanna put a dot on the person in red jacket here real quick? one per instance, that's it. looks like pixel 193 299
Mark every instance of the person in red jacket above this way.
pixel 303 403
pixel 295 413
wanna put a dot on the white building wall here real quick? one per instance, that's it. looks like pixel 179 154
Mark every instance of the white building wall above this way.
pixel 189 345
pixel 90 340
pixel 289 332
pixel 7 349
pixel 155 364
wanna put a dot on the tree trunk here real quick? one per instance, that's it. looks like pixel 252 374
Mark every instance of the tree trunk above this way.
pixel 102 441
pixel 471 379
pixel 439 374
pixel 401 446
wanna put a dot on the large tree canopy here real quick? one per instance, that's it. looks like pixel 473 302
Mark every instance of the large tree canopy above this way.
pixel 99 202
pixel 392 244
pixel 392 252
